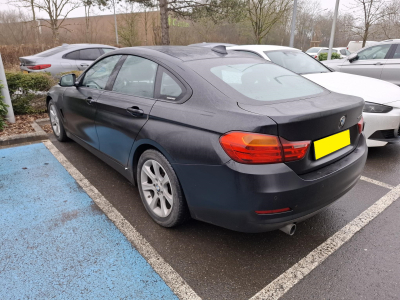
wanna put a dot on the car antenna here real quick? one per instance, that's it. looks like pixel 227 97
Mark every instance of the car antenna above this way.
pixel 221 49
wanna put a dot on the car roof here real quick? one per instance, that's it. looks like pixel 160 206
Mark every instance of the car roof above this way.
pixel 70 46
pixel 261 48
pixel 391 41
pixel 183 53
pixel 210 45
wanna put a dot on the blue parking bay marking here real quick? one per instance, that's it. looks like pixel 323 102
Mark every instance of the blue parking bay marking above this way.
pixel 56 243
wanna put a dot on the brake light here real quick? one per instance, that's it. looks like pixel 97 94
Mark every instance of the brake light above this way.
pixel 294 150
pixel 273 211
pixel 39 67
pixel 255 148
pixel 360 125
pixel 315 56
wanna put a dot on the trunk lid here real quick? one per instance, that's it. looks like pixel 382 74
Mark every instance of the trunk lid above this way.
pixel 313 119
pixel 29 60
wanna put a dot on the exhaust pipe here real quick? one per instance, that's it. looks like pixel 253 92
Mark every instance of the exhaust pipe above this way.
pixel 289 229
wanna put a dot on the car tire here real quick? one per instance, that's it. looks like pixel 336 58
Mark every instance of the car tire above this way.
pixel 160 190
pixel 56 123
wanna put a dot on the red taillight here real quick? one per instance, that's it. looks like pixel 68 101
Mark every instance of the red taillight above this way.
pixel 360 125
pixel 255 148
pixel 294 150
pixel 273 211
pixel 316 56
pixel 39 67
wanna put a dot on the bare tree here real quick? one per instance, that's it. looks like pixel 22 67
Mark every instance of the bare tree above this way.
pixel 128 26
pixel 29 4
pixel 14 27
pixel 370 12
pixel 264 14
pixel 57 11
pixel 390 24
pixel 87 4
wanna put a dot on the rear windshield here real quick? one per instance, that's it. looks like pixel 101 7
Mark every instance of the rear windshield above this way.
pixel 265 81
pixel 51 52
pixel 296 61
pixel 313 50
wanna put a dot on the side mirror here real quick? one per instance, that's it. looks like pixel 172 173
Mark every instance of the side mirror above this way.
pixel 352 57
pixel 68 80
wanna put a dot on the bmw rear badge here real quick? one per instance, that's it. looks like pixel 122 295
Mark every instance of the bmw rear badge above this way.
pixel 342 121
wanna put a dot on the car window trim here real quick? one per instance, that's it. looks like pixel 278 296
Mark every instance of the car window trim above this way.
pixel 157 90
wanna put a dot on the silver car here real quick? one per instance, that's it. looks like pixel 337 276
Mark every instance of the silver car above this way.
pixel 381 61
pixel 74 57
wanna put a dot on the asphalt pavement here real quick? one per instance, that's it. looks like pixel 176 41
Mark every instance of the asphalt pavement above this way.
pixel 221 264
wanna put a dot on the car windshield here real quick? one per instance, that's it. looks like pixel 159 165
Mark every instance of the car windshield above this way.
pixel 265 81
pixel 296 61
pixel 51 52
pixel 313 50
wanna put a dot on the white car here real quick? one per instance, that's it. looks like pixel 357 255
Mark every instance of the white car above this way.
pixel 382 99
pixel 354 46
pixel 313 52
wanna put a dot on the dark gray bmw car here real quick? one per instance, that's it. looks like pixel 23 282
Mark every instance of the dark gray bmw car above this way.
pixel 215 135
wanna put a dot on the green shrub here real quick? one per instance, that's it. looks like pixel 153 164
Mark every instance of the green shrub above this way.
pixel 3 111
pixel 28 91
pixel 324 56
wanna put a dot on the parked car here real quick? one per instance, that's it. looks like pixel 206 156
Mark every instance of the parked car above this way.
pixel 226 138
pixel 341 51
pixel 381 61
pixel 354 46
pixel 313 51
pixel 64 58
pixel 382 99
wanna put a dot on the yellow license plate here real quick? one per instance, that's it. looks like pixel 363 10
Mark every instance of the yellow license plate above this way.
pixel 331 144
pixel 25 72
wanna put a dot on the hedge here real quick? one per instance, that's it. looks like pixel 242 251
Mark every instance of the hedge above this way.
pixel 3 111
pixel 324 56
pixel 28 91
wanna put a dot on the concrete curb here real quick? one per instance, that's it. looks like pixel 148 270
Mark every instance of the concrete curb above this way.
pixel 38 135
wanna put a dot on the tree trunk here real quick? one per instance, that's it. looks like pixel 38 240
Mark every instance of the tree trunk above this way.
pixel 35 29
pixel 164 22
pixel 365 37
pixel 56 36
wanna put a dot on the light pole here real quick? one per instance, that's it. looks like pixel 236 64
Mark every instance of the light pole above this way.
pixel 333 30
pixel 115 21
pixel 293 25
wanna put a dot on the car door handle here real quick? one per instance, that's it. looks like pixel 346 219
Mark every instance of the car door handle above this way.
pixel 135 111
pixel 84 65
pixel 378 64
pixel 89 100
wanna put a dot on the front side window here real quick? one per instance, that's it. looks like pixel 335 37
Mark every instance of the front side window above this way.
pixel 97 76
pixel 265 81
pixel 136 77
pixel 90 54
pixel 106 50
pixel 296 61
pixel 375 52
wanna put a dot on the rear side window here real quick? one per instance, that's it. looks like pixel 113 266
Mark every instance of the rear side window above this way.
pixel 170 88
pixel 90 54
pixel 72 55
pixel 136 77
pixel 265 82
pixel 97 76
pixel 342 51
pixel 106 50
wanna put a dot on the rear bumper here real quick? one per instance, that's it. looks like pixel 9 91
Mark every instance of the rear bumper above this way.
pixel 229 195
pixel 376 123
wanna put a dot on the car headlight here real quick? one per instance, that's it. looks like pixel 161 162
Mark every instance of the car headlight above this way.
pixel 370 107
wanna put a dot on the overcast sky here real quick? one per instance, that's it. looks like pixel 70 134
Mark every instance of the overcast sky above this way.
pixel 325 4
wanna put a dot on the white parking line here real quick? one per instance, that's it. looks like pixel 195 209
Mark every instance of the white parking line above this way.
pixel 292 276
pixel 370 180
pixel 166 272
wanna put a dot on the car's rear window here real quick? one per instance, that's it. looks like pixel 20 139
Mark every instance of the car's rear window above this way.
pixel 313 50
pixel 265 81
pixel 51 52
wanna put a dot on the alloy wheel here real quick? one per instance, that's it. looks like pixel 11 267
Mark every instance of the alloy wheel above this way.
pixel 156 187
pixel 55 122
